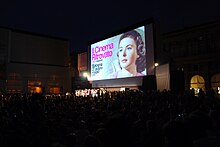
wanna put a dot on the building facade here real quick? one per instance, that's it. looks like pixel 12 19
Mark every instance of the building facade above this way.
pixel 33 63
pixel 195 52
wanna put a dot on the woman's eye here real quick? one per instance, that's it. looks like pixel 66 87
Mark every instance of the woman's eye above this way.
pixel 129 48
pixel 120 50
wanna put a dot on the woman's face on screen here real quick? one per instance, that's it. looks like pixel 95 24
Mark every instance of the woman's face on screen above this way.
pixel 127 53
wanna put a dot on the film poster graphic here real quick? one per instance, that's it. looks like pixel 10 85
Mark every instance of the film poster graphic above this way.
pixel 104 59
pixel 102 55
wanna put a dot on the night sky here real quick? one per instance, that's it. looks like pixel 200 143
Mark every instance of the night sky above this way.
pixel 84 21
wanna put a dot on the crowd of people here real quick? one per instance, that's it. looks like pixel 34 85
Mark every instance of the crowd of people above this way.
pixel 130 118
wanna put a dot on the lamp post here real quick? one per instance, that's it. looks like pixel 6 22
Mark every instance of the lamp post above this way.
pixel 85 74
pixel 155 66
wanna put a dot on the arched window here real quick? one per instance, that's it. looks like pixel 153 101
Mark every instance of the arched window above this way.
pixel 215 83
pixel 197 82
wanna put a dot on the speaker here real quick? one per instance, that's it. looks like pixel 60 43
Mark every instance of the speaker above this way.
pixel 126 89
pixel 80 83
pixel 149 83
pixel 177 81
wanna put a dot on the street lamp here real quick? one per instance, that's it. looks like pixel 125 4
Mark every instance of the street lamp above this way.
pixel 155 66
pixel 85 74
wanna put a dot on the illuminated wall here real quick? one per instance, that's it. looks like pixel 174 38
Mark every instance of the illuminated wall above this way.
pixel 35 63
pixel 82 62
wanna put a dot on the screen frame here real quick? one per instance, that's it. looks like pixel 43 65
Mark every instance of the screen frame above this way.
pixel 149 26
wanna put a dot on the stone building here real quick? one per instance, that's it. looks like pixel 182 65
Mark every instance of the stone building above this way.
pixel 33 63
pixel 194 52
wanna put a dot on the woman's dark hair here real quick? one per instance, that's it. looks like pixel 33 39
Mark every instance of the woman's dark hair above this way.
pixel 141 51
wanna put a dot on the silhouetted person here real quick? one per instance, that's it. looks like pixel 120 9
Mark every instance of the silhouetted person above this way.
pixel 91 141
pixel 175 134
pixel 102 135
pixel 198 122
pixel 154 136
pixel 119 131
pixel 71 140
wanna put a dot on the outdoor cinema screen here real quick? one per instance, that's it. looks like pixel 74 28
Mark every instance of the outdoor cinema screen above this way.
pixel 129 54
